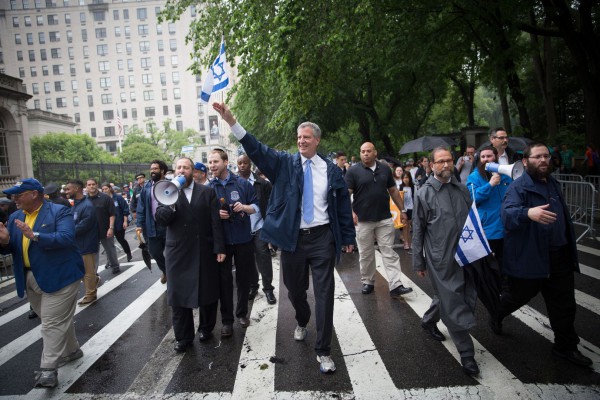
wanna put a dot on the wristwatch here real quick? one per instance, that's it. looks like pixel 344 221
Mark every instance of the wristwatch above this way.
pixel 36 236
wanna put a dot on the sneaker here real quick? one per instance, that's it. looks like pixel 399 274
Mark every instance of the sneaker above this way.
pixel 46 378
pixel 71 357
pixel 300 333
pixel 327 365
pixel 399 291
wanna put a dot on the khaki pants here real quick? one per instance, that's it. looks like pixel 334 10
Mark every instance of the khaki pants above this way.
pixel 382 232
pixel 56 311
pixel 90 280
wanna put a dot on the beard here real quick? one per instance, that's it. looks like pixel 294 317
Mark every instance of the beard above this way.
pixel 535 172
pixel 443 174
pixel 483 172
pixel 155 176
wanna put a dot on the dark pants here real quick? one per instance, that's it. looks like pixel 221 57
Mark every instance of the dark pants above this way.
pixel 244 265
pixel 183 321
pixel 316 250
pixel 120 236
pixel 558 291
pixel 264 264
pixel 156 247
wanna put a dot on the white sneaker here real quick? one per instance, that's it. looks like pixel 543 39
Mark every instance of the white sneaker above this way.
pixel 327 364
pixel 300 333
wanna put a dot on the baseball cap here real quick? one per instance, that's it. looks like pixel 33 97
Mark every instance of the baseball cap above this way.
pixel 25 185
pixel 140 175
pixel 200 167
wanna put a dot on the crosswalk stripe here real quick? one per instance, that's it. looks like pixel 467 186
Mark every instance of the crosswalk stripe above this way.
pixel 589 250
pixel 587 301
pixel 103 340
pixel 22 342
pixel 593 272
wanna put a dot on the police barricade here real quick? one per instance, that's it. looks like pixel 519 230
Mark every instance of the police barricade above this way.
pixel 595 180
pixel 568 177
pixel 6 267
pixel 581 202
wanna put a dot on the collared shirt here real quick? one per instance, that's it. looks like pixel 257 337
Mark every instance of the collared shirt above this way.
pixel 188 191
pixel 256 219
pixel 503 159
pixel 30 221
pixel 319 178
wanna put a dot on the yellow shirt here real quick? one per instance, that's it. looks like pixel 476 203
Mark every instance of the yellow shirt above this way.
pixel 30 221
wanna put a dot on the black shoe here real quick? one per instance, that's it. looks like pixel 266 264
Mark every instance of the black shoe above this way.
pixel 226 330
pixel 367 288
pixel 469 365
pixel 433 330
pixel 495 325
pixel 399 291
pixel 270 297
pixel 244 322
pixel 574 356
pixel 181 346
pixel 204 336
pixel 129 257
pixel 116 270
pixel 252 293
pixel 32 314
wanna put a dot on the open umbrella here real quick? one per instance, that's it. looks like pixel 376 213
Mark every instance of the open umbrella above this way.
pixel 145 253
pixel 426 143
pixel 517 143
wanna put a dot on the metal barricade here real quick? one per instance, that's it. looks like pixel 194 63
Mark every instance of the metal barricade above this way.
pixel 568 177
pixel 581 202
pixel 595 180
pixel 6 267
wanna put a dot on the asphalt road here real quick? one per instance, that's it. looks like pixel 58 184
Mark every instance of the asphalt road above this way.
pixel 379 348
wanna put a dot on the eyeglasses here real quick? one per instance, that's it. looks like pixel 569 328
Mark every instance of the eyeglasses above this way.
pixel 443 162
pixel 18 196
pixel 544 156
pixel 500 137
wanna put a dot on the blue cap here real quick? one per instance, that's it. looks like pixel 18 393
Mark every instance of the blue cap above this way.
pixel 200 167
pixel 25 185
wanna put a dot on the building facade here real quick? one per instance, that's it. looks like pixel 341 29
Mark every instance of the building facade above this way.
pixel 97 60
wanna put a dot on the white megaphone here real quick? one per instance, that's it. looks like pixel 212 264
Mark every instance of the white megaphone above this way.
pixel 513 170
pixel 166 192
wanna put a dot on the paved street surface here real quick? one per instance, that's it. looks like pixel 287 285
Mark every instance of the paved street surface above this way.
pixel 379 347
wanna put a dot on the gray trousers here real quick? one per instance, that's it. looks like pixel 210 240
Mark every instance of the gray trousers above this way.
pixel 111 251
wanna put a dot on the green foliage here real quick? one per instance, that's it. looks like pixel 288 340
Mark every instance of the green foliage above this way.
pixel 141 153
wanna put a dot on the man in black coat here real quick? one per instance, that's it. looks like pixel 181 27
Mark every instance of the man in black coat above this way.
pixel 194 247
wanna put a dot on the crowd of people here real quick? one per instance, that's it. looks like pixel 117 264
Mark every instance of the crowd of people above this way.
pixel 311 209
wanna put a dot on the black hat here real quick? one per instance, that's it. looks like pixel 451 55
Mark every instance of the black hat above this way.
pixel 50 188
pixel 140 175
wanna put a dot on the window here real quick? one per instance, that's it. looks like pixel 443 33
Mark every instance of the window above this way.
pixel 55 53
pixel 125 14
pixel 132 96
pixel 110 131
pixel 58 69
pixel 59 86
pixel 77 117
pixel 100 33
pixel 179 126
pixel 93 132
pixel 61 102
pixel 21 72
pixel 163 93
pixel 51 3
pixel 148 94
pixel 117 31
pixel 68 18
pixel 108 115
pixel 13 4
pixel 52 19
pixel 131 81
pixel 86 51
pixel 163 78
pixel 175 76
pixel 128 48
pixel 123 97
pixel 177 109
pixel 42 37
pixel 27 21
pixel 143 29
pixel 49 104
pixel 176 93
pixel 69 36
pixel 134 113
pixel 54 36
pixel 19 55
pixel 147 78
pixel 144 45
pixel 161 45
pixel 37 3
pixel 116 15
pixel 165 110
pixel 82 17
pixel 124 113
pixel 76 103
pixel 84 35
pixel 30 38
pixel 33 71
pixel 17 38
pixel 201 123
pixel 91 104
pixel 130 65
pixel 171 28
pixel 106 99
pixel 72 69
pixel 121 81
pixel 149 112
pixel 88 84
pixel 45 70
pixel 31 55
pixel 146 62
pixel 39 20
pixel 15 22
pixel 99 16
pixel 174 60
pixel 43 55
pixel 102 49
pixel 104 82
pixel 127 31
pixel 35 88
pixel 161 61
pixel 193 11
pixel 142 14
pixel 92 116
pixel 119 48
pixel 74 85
pixel 159 29
pixel 71 52
pixel 104 65
pixel 36 104
pixel 46 87
pixel 173 44
pixel 87 67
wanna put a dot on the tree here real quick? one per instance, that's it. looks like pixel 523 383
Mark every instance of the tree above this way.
pixel 141 153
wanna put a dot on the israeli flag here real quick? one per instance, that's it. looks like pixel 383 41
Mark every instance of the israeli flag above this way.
pixel 216 78
pixel 472 244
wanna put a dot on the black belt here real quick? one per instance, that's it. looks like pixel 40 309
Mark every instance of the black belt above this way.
pixel 314 229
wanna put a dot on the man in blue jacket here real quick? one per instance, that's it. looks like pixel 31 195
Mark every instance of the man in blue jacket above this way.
pixel 121 216
pixel 47 264
pixel 309 218
pixel 540 253
pixel 86 236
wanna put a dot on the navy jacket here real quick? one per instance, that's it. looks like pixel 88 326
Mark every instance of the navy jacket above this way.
pixel 55 259
pixel 86 226
pixel 282 222
pixel 145 220
pixel 121 210
pixel 527 243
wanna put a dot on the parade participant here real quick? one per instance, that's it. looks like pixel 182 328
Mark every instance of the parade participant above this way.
pixel 407 186
pixel 105 213
pixel 121 217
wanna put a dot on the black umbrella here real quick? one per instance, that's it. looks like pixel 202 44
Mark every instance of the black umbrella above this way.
pixel 485 274
pixel 426 143
pixel 145 253
pixel 517 143
pixel 392 160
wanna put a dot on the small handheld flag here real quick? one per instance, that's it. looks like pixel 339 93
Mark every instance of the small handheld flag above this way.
pixel 472 244
pixel 217 77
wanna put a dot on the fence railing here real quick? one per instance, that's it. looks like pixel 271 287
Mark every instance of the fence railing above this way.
pixel 6 269
pixel 581 202
pixel 568 177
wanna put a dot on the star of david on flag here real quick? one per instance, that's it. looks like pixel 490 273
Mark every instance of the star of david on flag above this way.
pixel 472 244
pixel 216 78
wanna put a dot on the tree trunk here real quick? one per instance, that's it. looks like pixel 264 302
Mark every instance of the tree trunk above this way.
pixel 504 106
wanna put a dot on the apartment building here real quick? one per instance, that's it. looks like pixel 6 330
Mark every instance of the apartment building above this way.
pixel 93 60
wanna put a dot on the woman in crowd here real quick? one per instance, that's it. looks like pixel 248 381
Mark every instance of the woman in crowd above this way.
pixel 407 186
